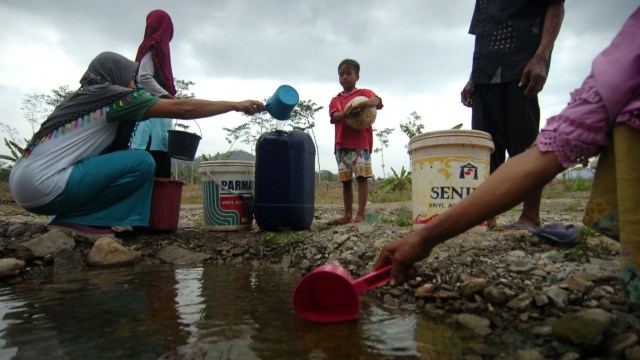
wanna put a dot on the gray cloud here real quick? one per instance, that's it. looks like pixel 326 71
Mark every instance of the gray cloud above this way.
pixel 408 49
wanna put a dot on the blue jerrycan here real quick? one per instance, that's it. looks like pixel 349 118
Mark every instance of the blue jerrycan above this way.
pixel 284 180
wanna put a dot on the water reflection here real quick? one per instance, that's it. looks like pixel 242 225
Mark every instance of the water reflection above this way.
pixel 189 301
pixel 387 332
pixel 8 303
pixel 216 312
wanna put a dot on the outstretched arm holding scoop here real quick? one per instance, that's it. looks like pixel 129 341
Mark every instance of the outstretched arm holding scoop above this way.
pixel 498 193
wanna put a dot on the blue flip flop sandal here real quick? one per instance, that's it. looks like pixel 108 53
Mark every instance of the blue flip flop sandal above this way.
pixel 558 232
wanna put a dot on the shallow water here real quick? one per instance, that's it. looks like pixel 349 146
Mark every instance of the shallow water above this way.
pixel 212 312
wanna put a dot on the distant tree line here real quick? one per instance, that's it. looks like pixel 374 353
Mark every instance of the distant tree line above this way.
pixel 37 106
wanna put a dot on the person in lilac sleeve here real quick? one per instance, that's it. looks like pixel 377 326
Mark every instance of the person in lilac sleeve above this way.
pixel 602 118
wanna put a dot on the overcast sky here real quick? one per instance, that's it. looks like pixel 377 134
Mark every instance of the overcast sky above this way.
pixel 415 54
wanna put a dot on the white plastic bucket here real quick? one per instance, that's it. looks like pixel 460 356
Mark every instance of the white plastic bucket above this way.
pixel 446 166
pixel 227 189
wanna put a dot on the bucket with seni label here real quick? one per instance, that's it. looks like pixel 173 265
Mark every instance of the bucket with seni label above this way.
pixel 227 189
pixel 446 166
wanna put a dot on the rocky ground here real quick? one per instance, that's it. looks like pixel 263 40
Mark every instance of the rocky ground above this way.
pixel 508 287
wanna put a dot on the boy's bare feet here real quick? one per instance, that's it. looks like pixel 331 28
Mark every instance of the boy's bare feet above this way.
pixel 340 221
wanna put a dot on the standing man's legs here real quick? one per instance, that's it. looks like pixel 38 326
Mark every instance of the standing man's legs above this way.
pixel 485 116
pixel 488 116
pixel 523 127
pixel 513 120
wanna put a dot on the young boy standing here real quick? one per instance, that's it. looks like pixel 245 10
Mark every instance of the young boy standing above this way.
pixel 353 147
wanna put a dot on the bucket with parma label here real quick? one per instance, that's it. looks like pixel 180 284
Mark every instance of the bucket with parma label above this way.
pixel 446 166
pixel 227 189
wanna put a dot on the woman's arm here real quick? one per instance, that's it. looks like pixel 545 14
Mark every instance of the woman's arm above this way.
pixel 509 185
pixel 199 108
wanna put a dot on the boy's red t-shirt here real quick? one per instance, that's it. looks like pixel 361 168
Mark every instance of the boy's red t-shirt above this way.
pixel 347 137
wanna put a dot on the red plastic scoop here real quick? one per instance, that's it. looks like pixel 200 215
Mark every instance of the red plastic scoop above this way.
pixel 328 294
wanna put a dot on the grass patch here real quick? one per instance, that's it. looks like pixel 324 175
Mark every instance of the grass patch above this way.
pixel 287 239
pixel 326 193
pixel 191 200
pixel 403 216
pixel 269 236
pixel 570 182
pixel 559 188
pixel 576 184
pixel 575 207
pixel 386 197
pixel 582 251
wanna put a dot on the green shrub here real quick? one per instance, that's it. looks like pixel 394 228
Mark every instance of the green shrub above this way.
pixel 577 184
pixel 580 252
pixel 573 182
pixel 399 182
pixel 402 216
pixel 4 174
